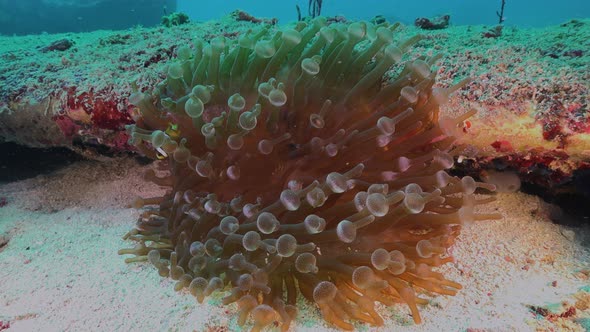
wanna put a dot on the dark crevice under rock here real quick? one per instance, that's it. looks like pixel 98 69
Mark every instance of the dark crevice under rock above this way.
pixel 20 162
pixel 571 196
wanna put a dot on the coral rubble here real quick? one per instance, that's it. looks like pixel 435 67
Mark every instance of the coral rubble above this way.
pixel 297 165
pixel 437 23
pixel 175 18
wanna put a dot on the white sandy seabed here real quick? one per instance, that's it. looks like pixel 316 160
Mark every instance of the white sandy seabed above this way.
pixel 59 268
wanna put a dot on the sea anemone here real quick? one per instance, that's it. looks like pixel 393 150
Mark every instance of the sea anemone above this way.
pixel 299 165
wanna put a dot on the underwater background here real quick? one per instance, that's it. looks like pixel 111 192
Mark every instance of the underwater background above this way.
pixel 523 13
pixel 294 165
pixel 36 16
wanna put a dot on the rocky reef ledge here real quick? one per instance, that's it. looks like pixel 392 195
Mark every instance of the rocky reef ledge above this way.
pixel 530 87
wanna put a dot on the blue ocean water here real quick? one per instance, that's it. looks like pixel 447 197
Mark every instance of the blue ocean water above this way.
pixel 22 17
pixel 54 16
pixel 526 13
